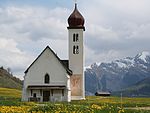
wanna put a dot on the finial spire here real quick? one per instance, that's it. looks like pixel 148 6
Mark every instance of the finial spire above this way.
pixel 75 1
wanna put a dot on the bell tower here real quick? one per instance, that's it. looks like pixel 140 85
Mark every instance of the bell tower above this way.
pixel 76 54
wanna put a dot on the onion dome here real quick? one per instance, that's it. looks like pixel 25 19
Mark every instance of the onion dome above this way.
pixel 76 20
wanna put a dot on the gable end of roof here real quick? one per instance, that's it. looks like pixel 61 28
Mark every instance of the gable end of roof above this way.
pixel 63 62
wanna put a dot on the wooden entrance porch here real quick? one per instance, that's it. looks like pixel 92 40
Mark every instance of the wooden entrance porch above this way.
pixel 47 93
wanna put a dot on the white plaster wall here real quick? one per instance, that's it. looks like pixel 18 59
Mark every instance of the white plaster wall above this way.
pixel 46 63
pixel 24 92
pixel 57 95
pixel 68 90
pixel 76 61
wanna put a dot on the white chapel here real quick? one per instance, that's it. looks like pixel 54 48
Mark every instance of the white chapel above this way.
pixel 50 78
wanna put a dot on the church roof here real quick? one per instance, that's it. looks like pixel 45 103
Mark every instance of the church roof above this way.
pixel 65 63
pixel 76 20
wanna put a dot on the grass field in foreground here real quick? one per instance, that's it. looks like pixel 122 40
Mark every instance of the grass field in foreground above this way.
pixel 7 92
pixel 93 104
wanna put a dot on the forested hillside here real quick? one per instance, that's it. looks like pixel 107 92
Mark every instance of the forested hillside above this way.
pixel 7 80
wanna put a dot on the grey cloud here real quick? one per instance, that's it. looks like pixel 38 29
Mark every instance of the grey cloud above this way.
pixel 121 26
pixel 33 23
pixel 114 29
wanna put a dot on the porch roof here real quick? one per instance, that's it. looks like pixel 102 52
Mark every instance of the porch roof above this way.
pixel 46 87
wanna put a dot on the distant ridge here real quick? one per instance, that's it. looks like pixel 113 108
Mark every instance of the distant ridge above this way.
pixel 7 80
pixel 120 75
pixel 140 89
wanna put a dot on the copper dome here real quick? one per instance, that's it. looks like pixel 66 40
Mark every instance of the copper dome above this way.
pixel 76 20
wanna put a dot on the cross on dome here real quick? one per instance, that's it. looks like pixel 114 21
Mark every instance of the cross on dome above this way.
pixel 75 1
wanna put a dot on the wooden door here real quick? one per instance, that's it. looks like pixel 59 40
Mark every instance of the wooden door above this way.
pixel 46 96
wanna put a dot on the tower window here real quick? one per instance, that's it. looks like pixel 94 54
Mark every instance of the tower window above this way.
pixel 75 37
pixel 46 79
pixel 75 49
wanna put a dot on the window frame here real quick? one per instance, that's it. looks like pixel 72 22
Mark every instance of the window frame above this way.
pixel 75 37
pixel 75 49
pixel 46 78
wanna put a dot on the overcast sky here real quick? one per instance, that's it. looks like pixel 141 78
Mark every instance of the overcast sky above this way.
pixel 114 29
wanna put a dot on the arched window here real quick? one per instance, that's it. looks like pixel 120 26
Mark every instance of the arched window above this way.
pixel 75 49
pixel 75 37
pixel 46 79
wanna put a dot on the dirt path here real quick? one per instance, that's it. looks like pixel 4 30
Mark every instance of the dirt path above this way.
pixel 139 108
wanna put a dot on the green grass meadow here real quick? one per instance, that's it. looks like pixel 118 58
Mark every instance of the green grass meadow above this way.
pixel 7 92
pixel 10 102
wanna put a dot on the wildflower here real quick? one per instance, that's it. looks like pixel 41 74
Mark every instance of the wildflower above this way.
pixel 121 111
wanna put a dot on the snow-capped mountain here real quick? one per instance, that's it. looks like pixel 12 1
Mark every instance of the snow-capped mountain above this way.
pixel 118 74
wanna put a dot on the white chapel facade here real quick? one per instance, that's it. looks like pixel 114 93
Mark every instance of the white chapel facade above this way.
pixel 49 78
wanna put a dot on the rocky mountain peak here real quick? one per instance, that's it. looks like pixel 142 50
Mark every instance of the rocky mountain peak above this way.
pixel 117 74
pixel 94 65
pixel 143 56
